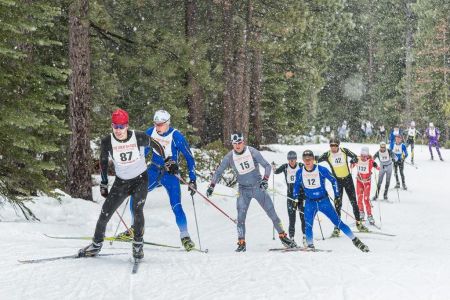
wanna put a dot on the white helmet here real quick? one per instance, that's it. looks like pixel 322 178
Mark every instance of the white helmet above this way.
pixel 161 116
pixel 413 124
pixel 431 124
pixel 364 151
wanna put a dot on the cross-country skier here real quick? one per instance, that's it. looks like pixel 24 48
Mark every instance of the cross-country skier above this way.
pixel 382 132
pixel 289 170
pixel 399 149
pixel 245 161
pixel 363 183
pixel 411 138
pixel 173 143
pixel 433 134
pixel 337 158
pixel 386 158
pixel 394 132
pixel 311 178
pixel 126 149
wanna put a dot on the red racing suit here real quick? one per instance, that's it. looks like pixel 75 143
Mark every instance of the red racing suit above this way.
pixel 363 182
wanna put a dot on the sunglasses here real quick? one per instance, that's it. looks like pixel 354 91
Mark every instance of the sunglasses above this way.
pixel 160 123
pixel 119 126
pixel 334 145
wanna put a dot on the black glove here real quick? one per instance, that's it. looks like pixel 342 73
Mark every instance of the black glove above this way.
pixel 104 189
pixel 171 166
pixel 294 205
pixel 210 190
pixel 354 160
pixel 263 184
pixel 194 185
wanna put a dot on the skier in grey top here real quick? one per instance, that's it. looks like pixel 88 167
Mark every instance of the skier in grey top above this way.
pixel 245 161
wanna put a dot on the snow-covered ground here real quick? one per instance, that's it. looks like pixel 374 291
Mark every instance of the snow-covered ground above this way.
pixel 413 265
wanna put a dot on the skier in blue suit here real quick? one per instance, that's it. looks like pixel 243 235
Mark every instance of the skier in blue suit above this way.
pixel 394 132
pixel 162 170
pixel 311 178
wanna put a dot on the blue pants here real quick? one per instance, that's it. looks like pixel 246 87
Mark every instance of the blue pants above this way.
pixel 172 186
pixel 324 206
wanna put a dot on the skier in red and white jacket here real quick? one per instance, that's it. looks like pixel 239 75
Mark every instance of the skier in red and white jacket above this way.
pixel 363 182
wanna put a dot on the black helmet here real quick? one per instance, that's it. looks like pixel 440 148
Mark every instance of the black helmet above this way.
pixel 334 140
pixel 307 153
pixel 237 138
pixel 291 155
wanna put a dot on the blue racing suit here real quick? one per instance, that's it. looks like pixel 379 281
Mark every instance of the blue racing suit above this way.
pixel 313 184
pixel 173 143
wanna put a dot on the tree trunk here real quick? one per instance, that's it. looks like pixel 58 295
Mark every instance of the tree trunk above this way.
pixel 408 61
pixel 79 168
pixel 228 107
pixel 195 98
pixel 255 91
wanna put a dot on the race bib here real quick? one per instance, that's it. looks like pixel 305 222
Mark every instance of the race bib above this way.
pixel 244 162
pixel 290 173
pixel 363 167
pixel 128 160
pixel 432 132
pixel 384 156
pixel 165 141
pixel 412 132
pixel 311 180
pixel 397 149
pixel 338 159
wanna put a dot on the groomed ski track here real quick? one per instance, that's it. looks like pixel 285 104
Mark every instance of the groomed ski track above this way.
pixel 413 265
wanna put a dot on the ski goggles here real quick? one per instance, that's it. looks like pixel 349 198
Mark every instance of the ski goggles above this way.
pixel 237 138
pixel 334 145
pixel 119 126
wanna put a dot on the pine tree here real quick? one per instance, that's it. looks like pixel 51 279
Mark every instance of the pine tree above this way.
pixel 32 80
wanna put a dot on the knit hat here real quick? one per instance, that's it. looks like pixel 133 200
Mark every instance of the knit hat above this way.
pixel 119 117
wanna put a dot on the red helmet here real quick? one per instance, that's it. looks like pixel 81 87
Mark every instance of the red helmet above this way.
pixel 119 117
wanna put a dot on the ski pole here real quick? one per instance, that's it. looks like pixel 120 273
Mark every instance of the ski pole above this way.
pixel 320 226
pixel 273 198
pixel 118 224
pixel 196 223
pixel 379 202
pixel 205 198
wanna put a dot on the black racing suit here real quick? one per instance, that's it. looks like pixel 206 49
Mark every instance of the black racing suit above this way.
pixel 122 188
pixel 290 200
pixel 345 181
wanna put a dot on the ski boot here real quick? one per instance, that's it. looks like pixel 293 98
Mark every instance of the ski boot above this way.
pixel 361 227
pixel 397 185
pixel 287 242
pixel 127 235
pixel 311 247
pixel 441 158
pixel 188 244
pixel 432 158
pixel 242 246
pixel 138 249
pixel 335 233
pixel 385 196
pixel 371 220
pixel 404 186
pixel 360 245
pixel 91 250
